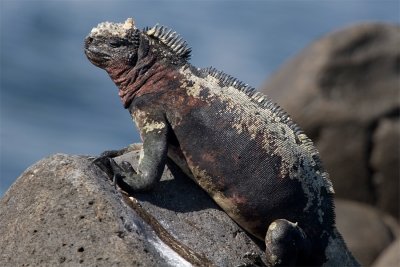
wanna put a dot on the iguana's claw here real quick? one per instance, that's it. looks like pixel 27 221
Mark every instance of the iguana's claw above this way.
pixel 116 180
pixel 104 157
pixel 127 167
pixel 103 162
pixel 110 154
pixel 116 172
pixel 108 165
pixel 124 175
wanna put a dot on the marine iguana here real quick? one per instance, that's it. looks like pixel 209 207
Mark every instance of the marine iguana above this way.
pixel 234 142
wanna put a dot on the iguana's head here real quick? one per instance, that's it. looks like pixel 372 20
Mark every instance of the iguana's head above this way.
pixel 135 59
pixel 123 44
pixel 110 43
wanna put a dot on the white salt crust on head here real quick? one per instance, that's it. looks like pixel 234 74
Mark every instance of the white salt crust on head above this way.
pixel 113 29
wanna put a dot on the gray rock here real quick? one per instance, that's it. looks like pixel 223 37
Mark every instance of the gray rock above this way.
pixel 366 230
pixel 64 211
pixel 343 90
pixel 386 163
pixel 390 257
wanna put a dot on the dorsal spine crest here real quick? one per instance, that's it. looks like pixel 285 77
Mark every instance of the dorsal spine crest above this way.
pixel 171 39
pixel 262 101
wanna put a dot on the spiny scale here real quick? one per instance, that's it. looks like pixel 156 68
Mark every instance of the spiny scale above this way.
pixel 136 39
pixel 261 100
pixel 170 39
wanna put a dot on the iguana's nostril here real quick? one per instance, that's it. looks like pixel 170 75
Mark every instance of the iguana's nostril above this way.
pixel 88 41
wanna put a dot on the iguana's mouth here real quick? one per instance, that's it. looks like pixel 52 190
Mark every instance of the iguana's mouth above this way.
pixel 94 54
pixel 97 59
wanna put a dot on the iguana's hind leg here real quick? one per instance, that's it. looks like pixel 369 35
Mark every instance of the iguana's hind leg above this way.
pixel 286 244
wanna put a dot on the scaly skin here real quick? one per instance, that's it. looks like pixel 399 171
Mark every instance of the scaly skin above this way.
pixel 240 147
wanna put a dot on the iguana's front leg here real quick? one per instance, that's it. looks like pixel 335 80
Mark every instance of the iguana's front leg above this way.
pixel 151 163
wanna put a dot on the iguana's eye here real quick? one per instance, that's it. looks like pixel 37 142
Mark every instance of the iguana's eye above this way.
pixel 115 43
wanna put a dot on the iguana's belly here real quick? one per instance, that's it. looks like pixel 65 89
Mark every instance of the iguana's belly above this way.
pixel 229 205
pixel 250 204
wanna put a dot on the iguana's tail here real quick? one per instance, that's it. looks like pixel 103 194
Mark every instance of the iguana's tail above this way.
pixel 337 252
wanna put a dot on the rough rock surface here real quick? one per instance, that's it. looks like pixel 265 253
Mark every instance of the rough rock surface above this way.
pixel 385 158
pixel 366 230
pixel 343 90
pixel 64 211
pixel 390 257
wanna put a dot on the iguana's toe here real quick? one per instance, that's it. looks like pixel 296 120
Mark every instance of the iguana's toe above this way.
pixel 127 167
pixel 103 162
pixel 110 153
pixel 123 175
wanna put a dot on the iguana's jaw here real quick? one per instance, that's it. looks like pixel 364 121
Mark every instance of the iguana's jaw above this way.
pixel 95 56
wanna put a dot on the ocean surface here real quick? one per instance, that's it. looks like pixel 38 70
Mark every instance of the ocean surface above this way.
pixel 52 100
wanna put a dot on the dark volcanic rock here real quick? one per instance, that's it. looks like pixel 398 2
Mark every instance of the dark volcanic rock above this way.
pixel 366 230
pixel 343 90
pixel 64 211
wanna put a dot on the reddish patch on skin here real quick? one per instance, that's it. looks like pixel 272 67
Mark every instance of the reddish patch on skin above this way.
pixel 184 106
pixel 118 73
pixel 136 81
pixel 238 199
pixel 161 77
pixel 180 104
pixel 208 157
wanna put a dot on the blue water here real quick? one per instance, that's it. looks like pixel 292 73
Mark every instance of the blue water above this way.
pixel 53 100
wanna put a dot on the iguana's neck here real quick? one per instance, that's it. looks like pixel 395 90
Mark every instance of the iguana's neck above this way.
pixel 134 80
